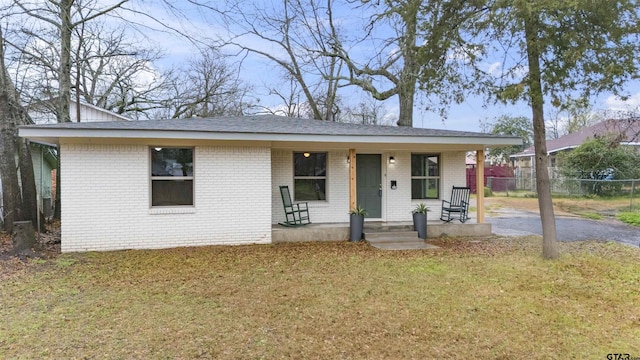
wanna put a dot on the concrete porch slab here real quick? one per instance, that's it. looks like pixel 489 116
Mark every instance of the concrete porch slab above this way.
pixel 340 231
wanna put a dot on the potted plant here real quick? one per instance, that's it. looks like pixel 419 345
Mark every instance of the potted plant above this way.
pixel 420 220
pixel 356 223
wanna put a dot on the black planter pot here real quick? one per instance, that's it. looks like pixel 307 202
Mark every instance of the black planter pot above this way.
pixel 420 224
pixel 356 226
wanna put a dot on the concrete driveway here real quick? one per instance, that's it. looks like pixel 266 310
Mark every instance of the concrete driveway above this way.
pixel 510 222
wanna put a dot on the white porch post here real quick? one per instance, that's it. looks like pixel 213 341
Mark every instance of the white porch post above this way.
pixel 480 185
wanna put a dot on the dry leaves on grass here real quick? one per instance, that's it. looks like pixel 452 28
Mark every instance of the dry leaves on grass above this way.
pixel 482 298
pixel 47 247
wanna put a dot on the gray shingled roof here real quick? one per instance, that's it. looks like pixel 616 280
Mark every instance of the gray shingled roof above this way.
pixel 628 129
pixel 265 124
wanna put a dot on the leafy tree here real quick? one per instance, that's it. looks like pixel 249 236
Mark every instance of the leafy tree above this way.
pixel 510 125
pixel 602 158
pixel 554 50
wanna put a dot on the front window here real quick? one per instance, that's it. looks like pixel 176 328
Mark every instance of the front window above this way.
pixel 171 176
pixel 309 176
pixel 425 176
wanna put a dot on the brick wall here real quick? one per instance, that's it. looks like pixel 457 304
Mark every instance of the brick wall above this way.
pixel 105 199
pixel 399 200
pixel 334 209
pixel 452 173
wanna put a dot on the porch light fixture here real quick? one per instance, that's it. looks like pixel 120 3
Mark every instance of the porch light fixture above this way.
pixel 158 149
pixel 348 160
pixel 392 160
pixel 306 154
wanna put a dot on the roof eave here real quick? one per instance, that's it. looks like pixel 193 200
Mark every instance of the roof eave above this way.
pixel 53 136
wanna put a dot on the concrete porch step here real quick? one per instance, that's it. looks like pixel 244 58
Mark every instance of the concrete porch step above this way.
pixel 386 227
pixel 392 236
pixel 397 240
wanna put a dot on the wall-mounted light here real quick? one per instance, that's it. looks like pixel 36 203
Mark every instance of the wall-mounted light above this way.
pixel 306 154
pixel 348 160
pixel 392 160
pixel 158 149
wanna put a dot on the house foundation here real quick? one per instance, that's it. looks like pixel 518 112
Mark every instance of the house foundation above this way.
pixel 340 231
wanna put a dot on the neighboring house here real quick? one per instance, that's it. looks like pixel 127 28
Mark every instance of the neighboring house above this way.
pixel 41 113
pixel 44 160
pixel 169 183
pixel 44 156
pixel 627 130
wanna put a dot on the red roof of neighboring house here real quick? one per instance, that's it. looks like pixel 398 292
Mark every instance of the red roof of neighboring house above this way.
pixel 629 129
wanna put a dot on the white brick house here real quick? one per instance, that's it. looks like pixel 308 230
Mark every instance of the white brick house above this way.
pixel 169 183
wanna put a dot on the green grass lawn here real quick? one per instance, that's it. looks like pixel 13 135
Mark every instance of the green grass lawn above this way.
pixel 631 218
pixel 493 298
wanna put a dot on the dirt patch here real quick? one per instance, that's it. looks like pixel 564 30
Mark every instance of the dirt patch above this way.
pixel 47 247
pixel 561 206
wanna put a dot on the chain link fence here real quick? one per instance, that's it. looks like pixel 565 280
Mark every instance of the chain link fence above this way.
pixel 526 185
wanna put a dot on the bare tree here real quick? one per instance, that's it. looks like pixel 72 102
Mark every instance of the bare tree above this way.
pixel 424 47
pixel 63 17
pixel 110 71
pixel 18 184
pixel 114 73
pixel 292 35
pixel 208 86
pixel 291 98
pixel 368 111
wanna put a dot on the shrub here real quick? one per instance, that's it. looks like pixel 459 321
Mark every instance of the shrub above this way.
pixel 632 218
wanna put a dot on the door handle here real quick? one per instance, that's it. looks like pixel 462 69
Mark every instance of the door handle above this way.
pixel 380 190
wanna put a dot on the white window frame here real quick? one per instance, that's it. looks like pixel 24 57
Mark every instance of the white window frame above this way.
pixel 427 177
pixel 172 178
pixel 325 177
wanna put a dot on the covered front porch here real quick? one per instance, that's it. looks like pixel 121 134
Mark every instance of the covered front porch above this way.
pixel 340 231
pixel 330 222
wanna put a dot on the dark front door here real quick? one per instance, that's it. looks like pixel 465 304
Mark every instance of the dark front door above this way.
pixel 369 183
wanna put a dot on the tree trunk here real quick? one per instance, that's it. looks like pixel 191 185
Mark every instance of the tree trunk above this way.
pixel 23 237
pixel 549 246
pixel 27 178
pixel 332 89
pixel 408 75
pixel 406 91
pixel 19 202
pixel 64 73
pixel 11 196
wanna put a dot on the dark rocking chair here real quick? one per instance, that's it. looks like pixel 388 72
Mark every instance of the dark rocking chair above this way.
pixel 296 214
pixel 458 206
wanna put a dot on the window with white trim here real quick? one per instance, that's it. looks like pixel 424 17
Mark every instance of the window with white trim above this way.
pixel 171 176
pixel 309 176
pixel 425 176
